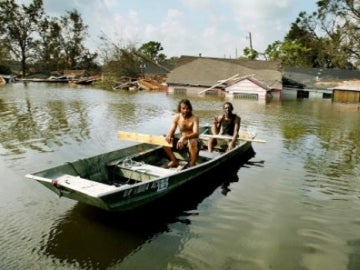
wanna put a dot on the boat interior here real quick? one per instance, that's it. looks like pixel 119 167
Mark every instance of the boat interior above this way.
pixel 150 165
pixel 139 167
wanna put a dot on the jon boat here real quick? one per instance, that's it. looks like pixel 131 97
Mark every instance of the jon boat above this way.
pixel 135 176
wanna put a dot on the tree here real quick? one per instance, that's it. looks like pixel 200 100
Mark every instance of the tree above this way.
pixel 18 30
pixel 301 43
pixel 250 53
pixel 61 43
pixel 74 33
pixel 151 50
pixel 4 60
pixel 50 45
pixel 313 40
pixel 340 20
pixel 120 60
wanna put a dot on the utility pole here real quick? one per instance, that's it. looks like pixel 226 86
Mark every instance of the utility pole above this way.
pixel 251 47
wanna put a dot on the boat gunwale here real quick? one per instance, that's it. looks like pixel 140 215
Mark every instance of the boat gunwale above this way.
pixel 99 199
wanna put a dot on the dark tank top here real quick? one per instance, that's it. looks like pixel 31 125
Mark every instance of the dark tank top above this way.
pixel 227 127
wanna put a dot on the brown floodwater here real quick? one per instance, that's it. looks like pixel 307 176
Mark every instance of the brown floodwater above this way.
pixel 294 205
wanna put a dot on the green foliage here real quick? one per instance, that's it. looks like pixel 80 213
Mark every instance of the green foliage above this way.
pixel 250 53
pixel 152 50
pixel 73 36
pixel 50 45
pixel 120 60
pixel 62 43
pixel 328 38
pixel 126 61
pixel 5 70
pixel 42 42
pixel 19 26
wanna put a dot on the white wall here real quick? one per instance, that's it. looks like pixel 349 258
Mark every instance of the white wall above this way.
pixel 246 87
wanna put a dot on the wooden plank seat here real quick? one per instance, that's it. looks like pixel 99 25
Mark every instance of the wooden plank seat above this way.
pixel 141 171
pixel 206 155
pixel 82 185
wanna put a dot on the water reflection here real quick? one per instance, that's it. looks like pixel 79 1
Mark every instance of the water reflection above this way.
pixel 92 238
pixel 324 142
pixel 225 186
pixel 354 259
pixel 39 127
pixel 290 204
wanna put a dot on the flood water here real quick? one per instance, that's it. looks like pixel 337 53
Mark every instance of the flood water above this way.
pixel 294 205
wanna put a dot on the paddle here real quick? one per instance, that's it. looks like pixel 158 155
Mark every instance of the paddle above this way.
pixel 226 137
pixel 144 138
pixel 160 140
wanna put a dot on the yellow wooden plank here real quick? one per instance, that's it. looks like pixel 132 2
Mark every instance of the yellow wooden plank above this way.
pixel 226 137
pixel 144 138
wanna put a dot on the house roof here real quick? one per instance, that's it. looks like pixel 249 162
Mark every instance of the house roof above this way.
pixel 345 87
pixel 317 78
pixel 204 71
pixel 152 67
pixel 254 81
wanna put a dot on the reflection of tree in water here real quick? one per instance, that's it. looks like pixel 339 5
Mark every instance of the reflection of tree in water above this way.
pixel 92 238
pixel 327 141
pixel 354 259
pixel 38 127
pixel 70 119
pixel 16 125
pixel 122 113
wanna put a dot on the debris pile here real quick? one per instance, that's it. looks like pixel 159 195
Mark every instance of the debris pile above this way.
pixel 149 84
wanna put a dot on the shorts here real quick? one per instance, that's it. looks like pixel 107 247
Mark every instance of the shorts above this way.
pixel 186 148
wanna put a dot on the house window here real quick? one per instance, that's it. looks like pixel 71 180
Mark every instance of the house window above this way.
pixel 178 90
pixel 245 96
pixel 212 92
pixel 302 94
pixel 327 96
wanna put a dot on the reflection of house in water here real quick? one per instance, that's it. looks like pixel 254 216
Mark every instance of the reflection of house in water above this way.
pixel 245 79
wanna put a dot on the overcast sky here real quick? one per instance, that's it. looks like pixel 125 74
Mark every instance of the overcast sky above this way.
pixel 214 28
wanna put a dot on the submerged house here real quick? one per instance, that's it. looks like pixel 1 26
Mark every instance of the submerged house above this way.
pixel 320 83
pixel 347 93
pixel 249 88
pixel 234 78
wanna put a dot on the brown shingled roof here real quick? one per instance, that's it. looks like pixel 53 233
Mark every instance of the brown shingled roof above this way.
pixel 204 71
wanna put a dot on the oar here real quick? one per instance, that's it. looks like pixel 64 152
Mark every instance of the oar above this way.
pixel 226 137
pixel 160 140
pixel 144 138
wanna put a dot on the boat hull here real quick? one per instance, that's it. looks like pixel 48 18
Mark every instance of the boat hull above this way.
pixel 130 178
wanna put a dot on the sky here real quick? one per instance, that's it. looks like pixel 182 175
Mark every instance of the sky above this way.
pixel 212 28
